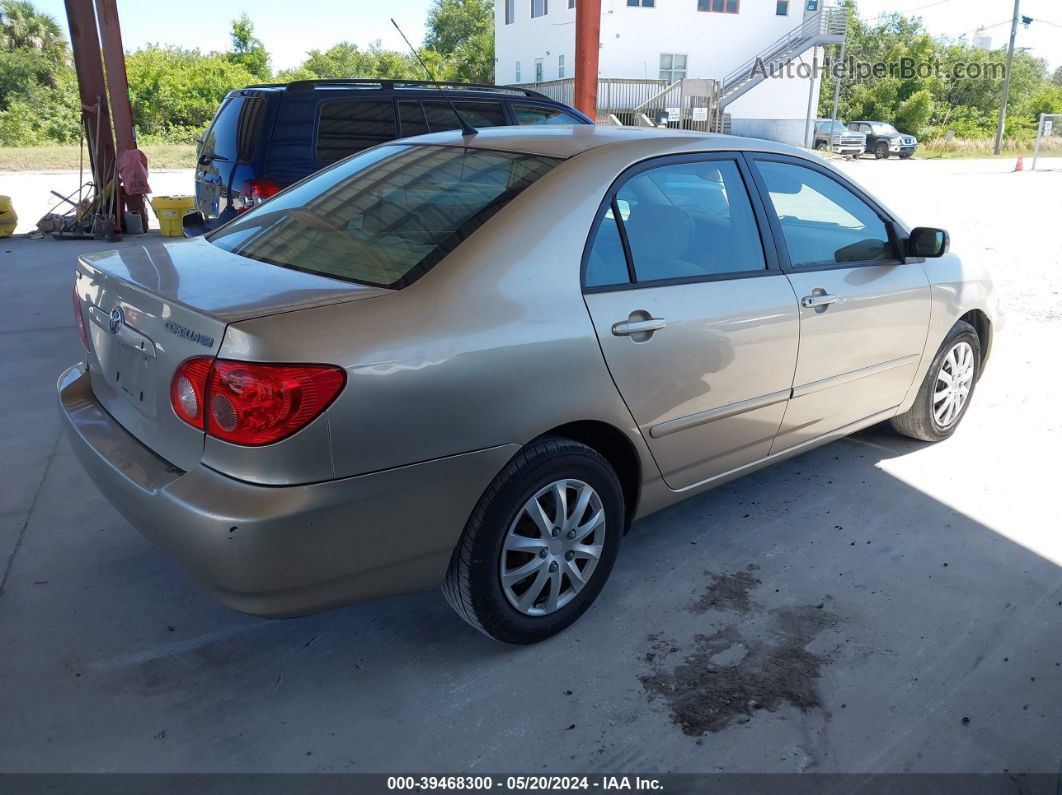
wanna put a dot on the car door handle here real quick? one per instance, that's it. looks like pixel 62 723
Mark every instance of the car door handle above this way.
pixel 811 301
pixel 629 327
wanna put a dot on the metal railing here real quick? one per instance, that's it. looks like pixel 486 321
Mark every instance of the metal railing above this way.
pixel 613 93
pixel 828 22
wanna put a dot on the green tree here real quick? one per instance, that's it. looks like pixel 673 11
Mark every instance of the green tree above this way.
pixel 346 59
pixel 247 49
pixel 462 33
pixel 176 92
pixel 23 27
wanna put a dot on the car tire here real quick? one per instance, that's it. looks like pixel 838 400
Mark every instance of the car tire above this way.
pixel 881 151
pixel 821 146
pixel 474 584
pixel 928 420
pixel 906 155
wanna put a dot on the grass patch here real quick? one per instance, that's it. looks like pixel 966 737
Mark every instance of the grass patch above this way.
pixel 65 158
pixel 984 148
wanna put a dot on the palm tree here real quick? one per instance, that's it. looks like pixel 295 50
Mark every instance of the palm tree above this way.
pixel 23 27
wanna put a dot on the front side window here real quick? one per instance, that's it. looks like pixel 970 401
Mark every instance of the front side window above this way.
pixel 822 221
pixel 346 126
pixel 384 217
pixel 682 221
pixel 672 67
pixel 539 8
pixel 539 114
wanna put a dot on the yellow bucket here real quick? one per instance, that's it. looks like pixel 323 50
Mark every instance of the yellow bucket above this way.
pixel 8 219
pixel 171 210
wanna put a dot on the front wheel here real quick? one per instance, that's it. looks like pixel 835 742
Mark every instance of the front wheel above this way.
pixel 881 151
pixel 540 543
pixel 821 146
pixel 947 389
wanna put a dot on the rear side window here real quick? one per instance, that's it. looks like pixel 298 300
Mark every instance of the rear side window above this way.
pixel 346 126
pixel 537 114
pixel 384 217
pixel 236 130
pixel 682 221
pixel 479 114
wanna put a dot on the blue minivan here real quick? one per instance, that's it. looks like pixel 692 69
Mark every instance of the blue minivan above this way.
pixel 267 137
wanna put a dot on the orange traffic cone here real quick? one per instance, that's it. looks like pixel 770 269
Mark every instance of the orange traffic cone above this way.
pixel 1020 166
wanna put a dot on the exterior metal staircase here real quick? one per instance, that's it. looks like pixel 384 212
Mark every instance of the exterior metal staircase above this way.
pixel 828 26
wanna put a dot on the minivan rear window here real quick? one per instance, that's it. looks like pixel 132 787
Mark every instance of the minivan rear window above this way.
pixel 385 217
pixel 346 126
pixel 236 129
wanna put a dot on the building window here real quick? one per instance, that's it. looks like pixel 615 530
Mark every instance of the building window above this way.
pixel 539 8
pixel 782 9
pixel 720 6
pixel 672 67
pixel 517 72
pixel 642 3
pixel 538 70
pixel 510 12
pixel 560 66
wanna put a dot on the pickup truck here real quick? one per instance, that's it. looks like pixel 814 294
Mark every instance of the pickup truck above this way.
pixel 843 141
pixel 883 139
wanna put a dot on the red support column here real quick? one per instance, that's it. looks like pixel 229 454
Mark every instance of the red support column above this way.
pixel 85 45
pixel 587 45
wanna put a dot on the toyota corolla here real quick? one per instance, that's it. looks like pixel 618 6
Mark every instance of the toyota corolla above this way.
pixel 474 361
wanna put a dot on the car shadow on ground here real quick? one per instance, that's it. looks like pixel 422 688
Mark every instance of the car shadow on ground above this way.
pixel 821 614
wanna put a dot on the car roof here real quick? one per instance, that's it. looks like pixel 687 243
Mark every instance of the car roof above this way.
pixel 569 140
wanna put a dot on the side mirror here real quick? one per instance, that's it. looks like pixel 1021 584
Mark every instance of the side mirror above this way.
pixel 925 241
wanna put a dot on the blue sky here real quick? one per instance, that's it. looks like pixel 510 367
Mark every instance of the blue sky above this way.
pixel 317 24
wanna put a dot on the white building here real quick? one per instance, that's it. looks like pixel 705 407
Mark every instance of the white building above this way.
pixel 674 39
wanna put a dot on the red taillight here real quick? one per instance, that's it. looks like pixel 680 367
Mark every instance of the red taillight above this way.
pixel 249 403
pixel 79 321
pixel 255 191
pixel 188 390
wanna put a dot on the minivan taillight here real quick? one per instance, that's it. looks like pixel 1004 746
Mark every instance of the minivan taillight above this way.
pixel 250 403
pixel 79 321
pixel 255 191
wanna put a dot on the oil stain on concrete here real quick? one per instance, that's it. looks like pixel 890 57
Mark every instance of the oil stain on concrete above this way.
pixel 757 659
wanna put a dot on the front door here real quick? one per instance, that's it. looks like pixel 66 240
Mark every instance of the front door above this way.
pixel 864 313
pixel 698 327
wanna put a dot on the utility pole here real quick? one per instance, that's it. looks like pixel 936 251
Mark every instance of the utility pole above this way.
pixel 837 84
pixel 587 49
pixel 1006 78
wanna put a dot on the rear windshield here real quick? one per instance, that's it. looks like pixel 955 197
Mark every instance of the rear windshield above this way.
pixel 236 129
pixel 386 216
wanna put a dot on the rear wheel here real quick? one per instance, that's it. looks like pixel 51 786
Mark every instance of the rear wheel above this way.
pixel 906 155
pixel 946 391
pixel 881 151
pixel 540 543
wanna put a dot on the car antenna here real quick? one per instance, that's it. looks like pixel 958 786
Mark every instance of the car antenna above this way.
pixel 466 128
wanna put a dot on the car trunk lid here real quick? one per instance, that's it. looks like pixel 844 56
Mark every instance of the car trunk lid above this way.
pixel 149 308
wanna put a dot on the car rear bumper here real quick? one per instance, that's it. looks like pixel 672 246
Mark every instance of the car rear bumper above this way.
pixel 288 550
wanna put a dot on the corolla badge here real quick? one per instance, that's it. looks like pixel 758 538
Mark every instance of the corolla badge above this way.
pixel 117 319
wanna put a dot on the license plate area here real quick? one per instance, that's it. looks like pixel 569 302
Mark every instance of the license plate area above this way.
pixel 127 361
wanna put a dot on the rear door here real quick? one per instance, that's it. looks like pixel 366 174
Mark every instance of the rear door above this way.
pixel 697 325
pixel 864 313
pixel 227 151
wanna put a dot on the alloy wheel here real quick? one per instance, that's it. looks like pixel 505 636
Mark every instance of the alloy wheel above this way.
pixel 552 547
pixel 954 381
